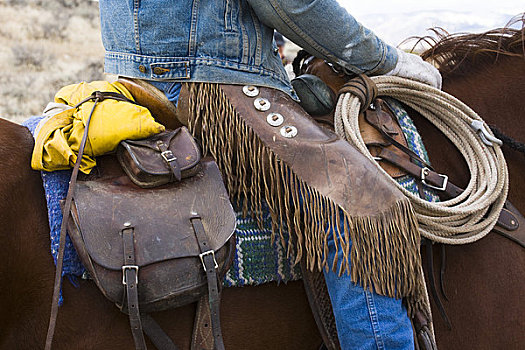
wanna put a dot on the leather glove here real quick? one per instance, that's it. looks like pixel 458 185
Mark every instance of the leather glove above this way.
pixel 413 67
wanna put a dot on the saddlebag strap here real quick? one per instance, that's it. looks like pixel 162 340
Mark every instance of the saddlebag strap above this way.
pixel 202 337
pixel 170 159
pixel 158 337
pixel 130 279
pixel 210 266
pixel 97 96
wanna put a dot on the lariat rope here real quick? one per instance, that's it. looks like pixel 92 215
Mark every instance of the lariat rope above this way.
pixel 471 215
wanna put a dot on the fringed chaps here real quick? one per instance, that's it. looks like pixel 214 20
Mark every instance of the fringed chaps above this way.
pixel 313 183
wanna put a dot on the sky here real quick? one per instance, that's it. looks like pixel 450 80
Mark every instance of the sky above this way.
pixel 394 21
pixel 357 8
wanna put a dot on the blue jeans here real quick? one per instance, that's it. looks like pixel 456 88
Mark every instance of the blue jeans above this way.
pixel 364 319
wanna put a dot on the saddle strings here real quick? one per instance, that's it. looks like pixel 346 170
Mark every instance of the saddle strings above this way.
pixel 469 216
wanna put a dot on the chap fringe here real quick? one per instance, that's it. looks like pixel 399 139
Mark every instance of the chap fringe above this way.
pixel 385 247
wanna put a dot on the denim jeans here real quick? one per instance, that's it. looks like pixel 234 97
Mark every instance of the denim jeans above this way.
pixel 365 319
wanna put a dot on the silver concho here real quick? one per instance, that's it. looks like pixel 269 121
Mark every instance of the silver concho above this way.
pixel 250 90
pixel 289 131
pixel 261 104
pixel 275 119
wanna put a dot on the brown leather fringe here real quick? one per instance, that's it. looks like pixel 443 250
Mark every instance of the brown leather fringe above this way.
pixel 385 248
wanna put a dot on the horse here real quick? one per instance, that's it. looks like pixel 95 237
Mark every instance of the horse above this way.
pixel 484 280
pixel 267 316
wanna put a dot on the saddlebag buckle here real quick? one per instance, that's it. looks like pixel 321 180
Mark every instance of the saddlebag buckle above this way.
pixel 168 156
pixel 202 255
pixel 130 267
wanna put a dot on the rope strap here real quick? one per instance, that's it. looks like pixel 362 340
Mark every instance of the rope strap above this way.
pixel 363 88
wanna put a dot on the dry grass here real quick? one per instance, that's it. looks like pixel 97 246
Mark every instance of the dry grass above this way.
pixel 45 45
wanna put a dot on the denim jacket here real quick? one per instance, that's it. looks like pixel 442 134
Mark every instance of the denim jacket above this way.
pixel 231 41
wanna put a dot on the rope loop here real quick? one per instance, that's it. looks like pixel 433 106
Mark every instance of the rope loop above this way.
pixel 363 88
pixel 469 216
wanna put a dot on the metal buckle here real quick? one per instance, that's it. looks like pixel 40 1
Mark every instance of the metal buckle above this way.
pixel 134 267
pixel 202 255
pixel 425 171
pixel 168 156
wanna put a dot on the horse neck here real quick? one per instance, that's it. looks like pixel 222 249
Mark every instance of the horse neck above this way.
pixel 494 91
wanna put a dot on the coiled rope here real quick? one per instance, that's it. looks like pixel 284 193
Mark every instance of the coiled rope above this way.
pixel 469 216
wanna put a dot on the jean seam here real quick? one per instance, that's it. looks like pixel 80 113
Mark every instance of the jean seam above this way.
pixel 258 39
pixel 192 42
pixel 245 46
pixel 372 311
pixel 136 5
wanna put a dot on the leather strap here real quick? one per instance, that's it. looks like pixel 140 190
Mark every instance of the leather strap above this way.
pixel 363 87
pixel 158 337
pixel 431 177
pixel 510 224
pixel 170 159
pixel 130 279
pixel 380 120
pixel 210 267
pixel 315 286
pixel 96 97
pixel 424 337
pixel 202 337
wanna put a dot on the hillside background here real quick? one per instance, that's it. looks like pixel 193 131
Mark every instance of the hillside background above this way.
pixel 47 44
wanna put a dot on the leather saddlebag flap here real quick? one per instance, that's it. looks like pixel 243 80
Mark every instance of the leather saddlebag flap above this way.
pixel 162 158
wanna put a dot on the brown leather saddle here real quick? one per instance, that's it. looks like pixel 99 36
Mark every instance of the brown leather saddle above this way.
pixel 374 124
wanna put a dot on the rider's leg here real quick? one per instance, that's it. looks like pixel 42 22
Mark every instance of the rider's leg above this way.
pixel 364 319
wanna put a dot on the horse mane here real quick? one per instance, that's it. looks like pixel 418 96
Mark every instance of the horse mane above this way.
pixel 462 52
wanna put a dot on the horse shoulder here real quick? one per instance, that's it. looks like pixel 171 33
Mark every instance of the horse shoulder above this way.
pixel 23 228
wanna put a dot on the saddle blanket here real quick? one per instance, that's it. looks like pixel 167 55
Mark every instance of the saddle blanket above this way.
pixel 257 259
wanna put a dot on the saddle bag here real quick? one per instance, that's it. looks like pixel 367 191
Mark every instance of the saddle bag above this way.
pixel 169 156
pixel 150 249
pixel 162 222
pixel 160 248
